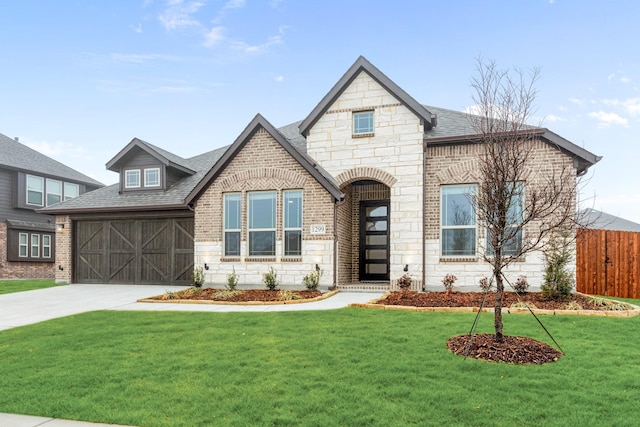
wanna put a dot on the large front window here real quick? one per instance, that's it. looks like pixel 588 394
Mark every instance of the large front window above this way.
pixel 232 224
pixel 458 220
pixel 293 223
pixel 262 223
pixel 511 239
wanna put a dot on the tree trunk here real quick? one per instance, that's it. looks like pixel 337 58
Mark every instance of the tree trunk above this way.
pixel 497 322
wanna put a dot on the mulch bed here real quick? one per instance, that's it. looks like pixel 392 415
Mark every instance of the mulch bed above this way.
pixel 518 350
pixel 251 295
pixel 474 299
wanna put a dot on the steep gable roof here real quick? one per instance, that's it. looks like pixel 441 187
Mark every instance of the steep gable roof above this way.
pixel 363 65
pixel 258 122
pixel 165 157
pixel 598 220
pixel 17 156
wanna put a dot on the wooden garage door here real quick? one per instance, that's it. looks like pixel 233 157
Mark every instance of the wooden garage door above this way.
pixel 135 251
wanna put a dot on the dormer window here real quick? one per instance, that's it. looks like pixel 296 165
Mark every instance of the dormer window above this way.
pixel 132 178
pixel 363 123
pixel 152 177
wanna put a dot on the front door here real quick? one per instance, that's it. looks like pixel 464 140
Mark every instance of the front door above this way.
pixel 374 240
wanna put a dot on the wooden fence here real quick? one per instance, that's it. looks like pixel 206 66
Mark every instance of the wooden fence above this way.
pixel 607 263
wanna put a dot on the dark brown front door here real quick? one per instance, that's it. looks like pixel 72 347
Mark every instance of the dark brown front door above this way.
pixel 374 240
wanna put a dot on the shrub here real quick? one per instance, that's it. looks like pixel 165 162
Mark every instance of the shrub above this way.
pixel 287 295
pixel 608 304
pixel 558 282
pixel 232 280
pixel 270 279
pixel 521 285
pixel 312 280
pixel 404 282
pixel 448 282
pixel 197 277
pixel 485 284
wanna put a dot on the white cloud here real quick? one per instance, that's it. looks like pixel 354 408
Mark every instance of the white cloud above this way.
pixel 136 28
pixel 608 119
pixel 234 4
pixel 576 101
pixel 279 79
pixel 625 79
pixel 214 36
pixel 554 118
pixel 632 106
pixel 179 13
pixel 245 47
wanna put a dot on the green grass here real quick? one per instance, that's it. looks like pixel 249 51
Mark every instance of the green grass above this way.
pixel 350 367
pixel 10 286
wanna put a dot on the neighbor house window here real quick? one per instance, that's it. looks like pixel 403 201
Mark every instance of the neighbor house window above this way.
pixel 23 245
pixel 363 122
pixel 262 223
pixel 132 178
pixel 35 190
pixel 54 192
pixel 35 246
pixel 232 224
pixel 292 223
pixel 513 233
pixel 71 191
pixel 152 177
pixel 458 220
pixel 46 246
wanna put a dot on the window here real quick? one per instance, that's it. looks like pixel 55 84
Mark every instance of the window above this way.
pixel 293 223
pixel 363 123
pixel 262 223
pixel 46 246
pixel 232 224
pixel 458 220
pixel 35 190
pixel 35 246
pixel 512 239
pixel 152 177
pixel 23 245
pixel 132 178
pixel 71 191
pixel 54 191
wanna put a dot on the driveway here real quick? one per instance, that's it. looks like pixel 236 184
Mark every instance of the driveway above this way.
pixel 26 308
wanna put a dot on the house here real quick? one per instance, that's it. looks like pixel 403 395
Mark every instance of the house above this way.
pixel 361 189
pixel 29 180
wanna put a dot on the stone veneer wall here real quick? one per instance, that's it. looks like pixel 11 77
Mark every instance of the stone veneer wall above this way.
pixel 395 150
pixel 457 164
pixel 264 165
pixel 21 270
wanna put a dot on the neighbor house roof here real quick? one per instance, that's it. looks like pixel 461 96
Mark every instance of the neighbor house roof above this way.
pixel 19 157
pixel 363 65
pixel 599 220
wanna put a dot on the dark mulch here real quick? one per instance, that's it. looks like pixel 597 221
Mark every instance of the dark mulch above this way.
pixel 265 295
pixel 474 299
pixel 518 350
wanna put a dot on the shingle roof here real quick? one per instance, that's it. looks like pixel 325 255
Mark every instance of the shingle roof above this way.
pixel 17 156
pixel 599 220
pixel 161 154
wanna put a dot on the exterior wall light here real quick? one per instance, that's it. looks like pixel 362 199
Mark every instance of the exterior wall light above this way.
pixel 206 266
pixel 406 267
pixel 60 226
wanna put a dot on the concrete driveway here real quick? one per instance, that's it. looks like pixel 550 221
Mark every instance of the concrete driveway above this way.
pixel 26 308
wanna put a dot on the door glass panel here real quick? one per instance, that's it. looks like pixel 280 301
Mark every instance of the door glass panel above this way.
pixel 376 268
pixel 376 211
pixel 376 239
pixel 376 254
pixel 377 225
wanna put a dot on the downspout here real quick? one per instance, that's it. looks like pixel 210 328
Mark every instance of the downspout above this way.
pixel 424 211
pixel 336 204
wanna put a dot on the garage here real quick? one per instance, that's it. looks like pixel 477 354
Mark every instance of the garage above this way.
pixel 149 251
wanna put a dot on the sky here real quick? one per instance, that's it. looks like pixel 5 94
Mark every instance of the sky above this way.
pixel 80 79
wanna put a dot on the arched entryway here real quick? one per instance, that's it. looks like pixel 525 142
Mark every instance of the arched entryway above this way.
pixel 364 226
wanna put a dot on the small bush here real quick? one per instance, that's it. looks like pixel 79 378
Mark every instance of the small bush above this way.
pixel 573 305
pixel 287 295
pixel 404 282
pixel 608 304
pixel 232 280
pixel 485 284
pixel 312 280
pixel 197 277
pixel 523 304
pixel 558 282
pixel 448 282
pixel 521 285
pixel 270 279
pixel 226 294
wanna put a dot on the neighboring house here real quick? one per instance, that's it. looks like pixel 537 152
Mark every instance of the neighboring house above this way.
pixel 362 188
pixel 598 220
pixel 29 181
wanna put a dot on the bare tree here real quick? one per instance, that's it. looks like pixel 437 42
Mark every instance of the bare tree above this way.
pixel 519 202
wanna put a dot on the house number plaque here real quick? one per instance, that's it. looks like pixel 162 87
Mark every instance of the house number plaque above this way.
pixel 318 229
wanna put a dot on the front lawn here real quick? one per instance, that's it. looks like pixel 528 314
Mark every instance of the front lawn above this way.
pixel 10 286
pixel 350 367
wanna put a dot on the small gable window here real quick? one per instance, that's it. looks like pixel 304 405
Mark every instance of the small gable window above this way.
pixel 152 177
pixel 35 190
pixel 363 123
pixel 132 178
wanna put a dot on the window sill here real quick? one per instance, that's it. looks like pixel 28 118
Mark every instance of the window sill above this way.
pixel 230 259
pixel 260 259
pixel 362 135
pixel 292 259
pixel 459 259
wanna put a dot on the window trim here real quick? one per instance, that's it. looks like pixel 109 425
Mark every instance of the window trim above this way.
pixel 286 229
pixel 356 130
pixel 24 245
pixel 272 230
pixel 146 184
pixel 46 247
pixel 474 226
pixel 226 230
pixel 127 183
pixel 35 238
pixel 42 190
